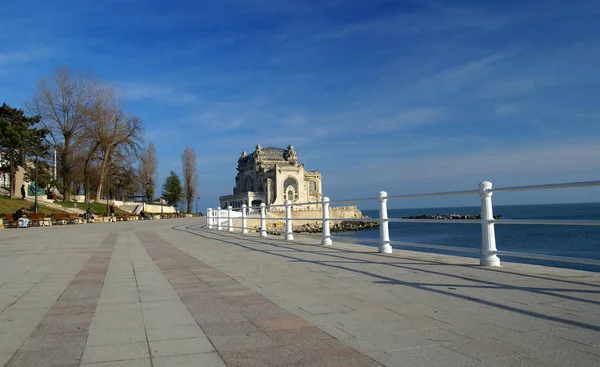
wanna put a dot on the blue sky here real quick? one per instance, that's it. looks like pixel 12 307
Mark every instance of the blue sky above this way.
pixel 402 96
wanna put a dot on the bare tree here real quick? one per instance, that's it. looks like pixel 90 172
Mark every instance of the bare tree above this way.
pixel 190 176
pixel 63 102
pixel 147 171
pixel 113 131
pixel 88 152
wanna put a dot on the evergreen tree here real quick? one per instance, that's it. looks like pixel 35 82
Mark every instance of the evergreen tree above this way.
pixel 20 139
pixel 172 189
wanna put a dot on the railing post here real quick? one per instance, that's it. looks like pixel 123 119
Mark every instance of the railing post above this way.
pixel 384 232
pixel 263 224
pixel 244 224
pixel 229 220
pixel 289 235
pixel 209 215
pixel 326 239
pixel 488 255
pixel 219 227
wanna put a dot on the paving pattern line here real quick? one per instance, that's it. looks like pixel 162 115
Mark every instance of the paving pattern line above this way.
pixel 60 338
pixel 245 328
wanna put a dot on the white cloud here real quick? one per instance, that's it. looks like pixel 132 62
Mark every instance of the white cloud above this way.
pixel 432 18
pixel 143 90
pixel 506 109
pixel 10 60
pixel 454 78
pixel 232 124
pixel 563 162
pixel 14 56
pixel 510 88
pixel 409 118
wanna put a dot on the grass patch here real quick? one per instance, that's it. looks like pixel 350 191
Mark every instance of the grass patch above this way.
pixel 10 206
pixel 97 208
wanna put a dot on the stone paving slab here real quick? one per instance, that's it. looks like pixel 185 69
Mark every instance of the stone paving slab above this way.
pixel 171 293
pixel 272 336
pixel 417 309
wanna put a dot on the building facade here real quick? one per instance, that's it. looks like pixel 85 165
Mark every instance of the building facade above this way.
pixel 272 176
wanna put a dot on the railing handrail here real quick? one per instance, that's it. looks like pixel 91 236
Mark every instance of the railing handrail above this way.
pixel 454 193
pixel 565 185
pixel 488 251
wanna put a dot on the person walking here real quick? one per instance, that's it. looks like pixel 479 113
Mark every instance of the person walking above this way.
pixel 112 213
pixel 23 192
pixel 89 215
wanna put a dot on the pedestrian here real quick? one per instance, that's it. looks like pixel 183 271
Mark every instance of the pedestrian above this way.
pixel 21 217
pixel 89 215
pixel 143 215
pixel 23 192
pixel 112 213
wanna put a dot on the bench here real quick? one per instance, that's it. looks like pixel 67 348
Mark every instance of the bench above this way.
pixel 11 221
pixel 125 217
pixel 39 220
pixel 34 219
pixel 60 218
pixel 75 218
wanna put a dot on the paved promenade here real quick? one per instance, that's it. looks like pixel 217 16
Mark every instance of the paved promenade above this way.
pixel 169 293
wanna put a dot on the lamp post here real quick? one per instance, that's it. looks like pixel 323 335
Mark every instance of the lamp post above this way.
pixel 35 203
pixel 197 207
pixel 107 194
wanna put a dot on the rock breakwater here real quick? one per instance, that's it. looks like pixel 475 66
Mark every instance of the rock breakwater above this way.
pixel 449 216
pixel 342 226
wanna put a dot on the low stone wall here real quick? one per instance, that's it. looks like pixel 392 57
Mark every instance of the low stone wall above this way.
pixel 336 214
pixel 152 208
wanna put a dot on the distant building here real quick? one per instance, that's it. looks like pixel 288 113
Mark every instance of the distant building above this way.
pixel 272 176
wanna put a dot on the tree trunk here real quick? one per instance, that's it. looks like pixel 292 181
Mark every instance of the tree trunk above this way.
pixel 103 167
pixel 66 169
pixel 65 175
pixel 86 187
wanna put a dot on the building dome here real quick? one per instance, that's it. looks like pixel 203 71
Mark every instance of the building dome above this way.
pixel 272 175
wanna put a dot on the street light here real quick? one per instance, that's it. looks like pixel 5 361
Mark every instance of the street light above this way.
pixel 107 193
pixel 197 210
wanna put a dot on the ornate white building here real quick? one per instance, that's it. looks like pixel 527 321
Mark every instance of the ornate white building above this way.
pixel 272 176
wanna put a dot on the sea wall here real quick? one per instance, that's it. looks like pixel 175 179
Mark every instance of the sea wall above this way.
pixel 156 209
pixel 313 219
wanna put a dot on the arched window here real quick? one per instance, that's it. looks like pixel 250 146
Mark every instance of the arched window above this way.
pixel 312 187
pixel 248 184
pixel 290 188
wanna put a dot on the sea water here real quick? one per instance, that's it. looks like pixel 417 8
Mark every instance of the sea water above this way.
pixel 572 241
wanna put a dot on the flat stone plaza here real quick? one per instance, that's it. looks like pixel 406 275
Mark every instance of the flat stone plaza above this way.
pixel 172 293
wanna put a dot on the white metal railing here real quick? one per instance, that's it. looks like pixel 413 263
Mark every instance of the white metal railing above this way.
pixel 488 253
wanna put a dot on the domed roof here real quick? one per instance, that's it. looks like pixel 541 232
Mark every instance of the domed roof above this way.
pixel 270 154
pixel 274 154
